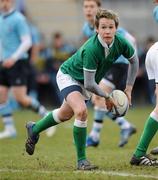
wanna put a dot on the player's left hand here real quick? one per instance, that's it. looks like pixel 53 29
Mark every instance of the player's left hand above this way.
pixel 8 63
pixel 128 92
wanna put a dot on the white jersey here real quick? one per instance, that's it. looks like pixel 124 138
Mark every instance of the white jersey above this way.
pixel 151 62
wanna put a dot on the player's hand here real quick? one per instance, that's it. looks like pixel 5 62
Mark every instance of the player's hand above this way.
pixel 8 63
pixel 155 1
pixel 128 91
pixel 110 103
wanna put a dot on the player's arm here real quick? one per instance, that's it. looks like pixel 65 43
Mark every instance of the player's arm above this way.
pixel 92 86
pixel 25 38
pixel 23 31
pixel 132 73
pixel 24 47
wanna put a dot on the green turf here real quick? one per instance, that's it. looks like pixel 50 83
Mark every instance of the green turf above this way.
pixel 54 157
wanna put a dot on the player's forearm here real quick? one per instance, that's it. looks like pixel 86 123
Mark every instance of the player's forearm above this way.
pixel 24 47
pixel 132 70
pixel 92 86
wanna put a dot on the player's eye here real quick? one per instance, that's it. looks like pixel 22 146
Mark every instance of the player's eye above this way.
pixel 103 27
pixel 111 27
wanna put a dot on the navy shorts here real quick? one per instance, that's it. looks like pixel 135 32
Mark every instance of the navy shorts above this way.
pixel 16 75
pixel 117 75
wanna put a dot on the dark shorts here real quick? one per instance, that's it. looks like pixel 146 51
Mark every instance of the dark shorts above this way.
pixel 117 75
pixel 31 84
pixel 16 75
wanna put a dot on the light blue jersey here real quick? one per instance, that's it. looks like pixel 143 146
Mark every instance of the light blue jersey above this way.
pixel 35 35
pixel 12 27
pixel 130 38
pixel 155 13
pixel 89 31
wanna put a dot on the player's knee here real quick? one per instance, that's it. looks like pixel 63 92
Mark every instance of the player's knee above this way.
pixel 23 101
pixel 3 99
pixel 81 113
pixel 63 115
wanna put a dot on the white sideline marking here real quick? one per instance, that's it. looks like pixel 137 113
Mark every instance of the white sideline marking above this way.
pixel 111 173
pixel 122 174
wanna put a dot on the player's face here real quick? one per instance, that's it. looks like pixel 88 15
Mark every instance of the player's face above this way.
pixel 106 30
pixel 6 5
pixel 90 8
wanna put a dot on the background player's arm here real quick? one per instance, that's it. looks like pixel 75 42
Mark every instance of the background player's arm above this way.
pixel 24 46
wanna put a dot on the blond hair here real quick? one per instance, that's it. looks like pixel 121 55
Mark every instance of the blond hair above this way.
pixel 108 14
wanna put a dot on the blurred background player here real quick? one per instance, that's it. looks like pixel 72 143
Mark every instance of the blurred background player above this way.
pixel 115 78
pixel 140 157
pixel 15 41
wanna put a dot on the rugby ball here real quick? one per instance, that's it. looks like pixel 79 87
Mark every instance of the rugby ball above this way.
pixel 122 104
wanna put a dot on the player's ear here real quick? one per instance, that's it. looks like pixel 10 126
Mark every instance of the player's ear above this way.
pixel 97 30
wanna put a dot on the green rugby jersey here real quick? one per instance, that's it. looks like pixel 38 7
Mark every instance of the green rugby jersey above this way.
pixel 91 56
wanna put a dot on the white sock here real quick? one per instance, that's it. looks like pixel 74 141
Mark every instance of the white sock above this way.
pixel 79 123
pixel 8 122
pixel 95 132
pixel 122 122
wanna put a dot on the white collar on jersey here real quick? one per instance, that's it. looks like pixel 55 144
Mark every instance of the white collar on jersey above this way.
pixel 106 47
pixel 104 43
pixel 8 12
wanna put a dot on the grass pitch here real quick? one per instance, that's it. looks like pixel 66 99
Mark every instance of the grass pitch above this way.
pixel 55 157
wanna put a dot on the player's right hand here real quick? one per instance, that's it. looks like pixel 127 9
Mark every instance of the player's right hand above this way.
pixel 8 63
pixel 110 103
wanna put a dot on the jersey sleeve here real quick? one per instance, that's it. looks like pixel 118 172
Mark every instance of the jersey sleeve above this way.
pixel 35 35
pixel 128 49
pixel 89 61
pixel 22 26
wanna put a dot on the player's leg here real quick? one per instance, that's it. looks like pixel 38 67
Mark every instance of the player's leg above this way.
pixel 80 129
pixel 51 131
pixel 150 129
pixel 93 138
pixel 20 94
pixel 117 77
pixel 51 119
pixel 70 90
pixel 6 113
pixel 127 129
pixel 151 125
